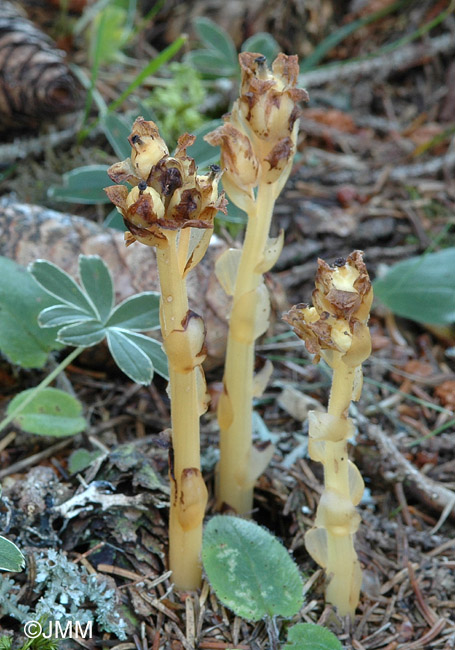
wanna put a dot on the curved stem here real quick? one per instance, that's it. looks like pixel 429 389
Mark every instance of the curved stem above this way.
pixel 50 378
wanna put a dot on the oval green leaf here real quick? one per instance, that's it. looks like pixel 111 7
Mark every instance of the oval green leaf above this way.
pixel 59 315
pixel 250 571
pixel 51 412
pixel 211 63
pixel 60 285
pixel 421 288
pixel 216 39
pixel 140 312
pixel 11 559
pixel 153 349
pixel 82 185
pixel 129 357
pixel 84 334
pixel 263 43
pixel 21 299
pixel 117 130
pixel 309 636
pixel 97 282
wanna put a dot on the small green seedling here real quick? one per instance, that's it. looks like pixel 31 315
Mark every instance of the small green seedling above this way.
pixel 11 559
pixel 309 636
pixel 253 574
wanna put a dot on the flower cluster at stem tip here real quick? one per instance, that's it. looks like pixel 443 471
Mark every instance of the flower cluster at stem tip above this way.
pixel 167 193
pixel 258 138
pixel 337 322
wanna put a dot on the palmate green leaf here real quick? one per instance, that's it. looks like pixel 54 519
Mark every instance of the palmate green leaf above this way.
pixel 216 39
pixel 97 282
pixel 87 316
pixel 250 571
pixel 21 300
pixel 11 559
pixel 51 412
pixel 60 285
pixel 309 636
pixel 421 288
pixel 82 185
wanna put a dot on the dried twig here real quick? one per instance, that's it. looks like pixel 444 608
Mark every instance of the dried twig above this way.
pixel 431 492
pixel 382 65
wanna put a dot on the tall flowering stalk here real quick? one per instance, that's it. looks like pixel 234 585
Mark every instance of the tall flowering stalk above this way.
pixel 336 329
pixel 258 143
pixel 171 208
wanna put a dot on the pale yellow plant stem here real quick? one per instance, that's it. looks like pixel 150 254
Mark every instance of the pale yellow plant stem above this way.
pixel 184 540
pixel 236 475
pixel 343 570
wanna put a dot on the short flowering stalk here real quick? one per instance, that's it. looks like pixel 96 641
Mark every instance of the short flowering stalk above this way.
pixel 171 208
pixel 336 329
pixel 258 143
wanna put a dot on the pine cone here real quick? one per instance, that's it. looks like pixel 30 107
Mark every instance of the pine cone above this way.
pixel 35 82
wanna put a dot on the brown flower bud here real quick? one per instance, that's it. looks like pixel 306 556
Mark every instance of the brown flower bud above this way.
pixel 268 100
pixel 338 321
pixel 148 147
pixel 237 155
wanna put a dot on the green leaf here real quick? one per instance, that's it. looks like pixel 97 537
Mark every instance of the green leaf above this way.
pixel 50 413
pixel 153 349
pixel 421 288
pixel 97 282
pixel 83 334
pixel 21 300
pixel 210 62
pixel 83 185
pixel 140 313
pixel 263 43
pixel 114 220
pixel 153 66
pixel 108 34
pixel 129 357
pixel 216 39
pixel 11 559
pixel 117 129
pixel 59 315
pixel 250 571
pixel 61 285
pixel 80 459
pixel 309 636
